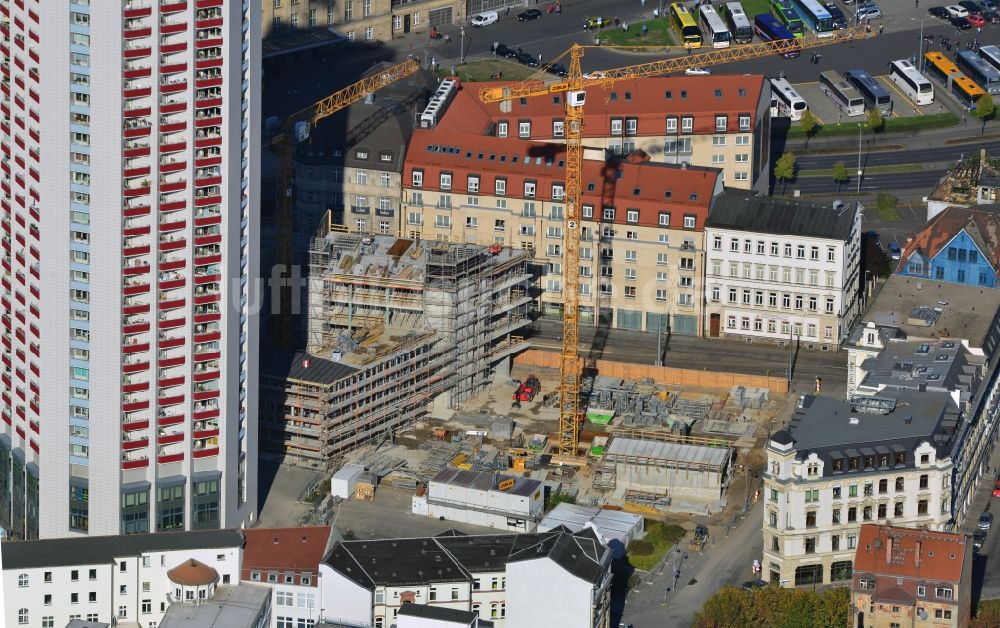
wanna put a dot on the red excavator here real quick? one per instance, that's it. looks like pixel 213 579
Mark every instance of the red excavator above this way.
pixel 526 390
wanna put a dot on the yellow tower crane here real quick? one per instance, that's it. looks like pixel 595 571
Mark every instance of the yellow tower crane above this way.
pixel 573 90
pixel 295 129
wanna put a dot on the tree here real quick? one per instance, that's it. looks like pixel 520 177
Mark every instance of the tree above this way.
pixel 784 169
pixel 840 174
pixel 874 120
pixel 984 109
pixel 777 607
pixel 809 124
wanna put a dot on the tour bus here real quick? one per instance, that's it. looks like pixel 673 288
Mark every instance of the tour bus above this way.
pixel 786 14
pixel 851 102
pixel 714 28
pixel 815 16
pixel 965 90
pixel 738 22
pixel 786 102
pixel 977 69
pixel 685 25
pixel 768 28
pixel 912 83
pixel 941 67
pixel 991 54
pixel 874 93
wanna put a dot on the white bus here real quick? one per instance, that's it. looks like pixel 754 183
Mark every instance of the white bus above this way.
pixel 991 54
pixel 912 83
pixel 849 100
pixel 786 102
pixel 713 27
pixel 738 22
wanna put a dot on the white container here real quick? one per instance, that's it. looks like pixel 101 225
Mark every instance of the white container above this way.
pixel 344 480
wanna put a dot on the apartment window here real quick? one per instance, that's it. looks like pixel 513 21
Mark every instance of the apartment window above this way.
pixel 502 128
pixel 671 125
pixel 22 616
pixel 921 590
pixel 689 222
pixel 744 123
pixel 945 593
pixel 500 187
pixel 661 295
pixel 664 219
pixel 524 129
pixel 558 128
pixel 852 514
pixel 835 518
pixel 445 180
pixel 810 545
pixel 529 189
pixel 922 507
pixel 811 519
pixel 687 124
pixel 616 126
pixel 631 126
pixel 418 178
pixel 721 123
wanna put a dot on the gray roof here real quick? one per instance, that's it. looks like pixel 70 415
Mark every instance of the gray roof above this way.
pixel 485 481
pixel 612 524
pixel 292 365
pixel 83 623
pixel 966 312
pixel 677 453
pixel 102 549
pixel 231 607
pixel 453 558
pixel 931 364
pixel 769 214
pixel 833 428
pixel 442 613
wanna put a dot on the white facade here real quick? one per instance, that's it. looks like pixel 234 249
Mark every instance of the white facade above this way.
pixel 293 604
pixel 129 216
pixel 542 593
pixel 477 498
pixel 129 588
pixel 773 287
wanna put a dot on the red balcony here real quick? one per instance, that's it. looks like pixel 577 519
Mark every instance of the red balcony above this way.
pixel 139 52
pixel 173 107
pixel 139 443
pixel 131 271
pixel 172 304
pixel 207 318
pixel 136 367
pixel 215 22
pixel 173 265
pixel 206 240
pixel 142 190
pixel 208 42
pixel 215 81
pixel 135 328
pixel 136 231
pixel 135 406
pixel 139 112
pixel 171 343
pixel 135 464
pixel 167 459
pixel 167 439
pixel 172 226
pixel 173 186
pixel 140 171
pixel 171 324
pixel 201 415
pixel 133 426
pixel 206 200
pixel 208 336
pixel 170 29
pixel 204 279
pixel 173 245
pixel 173 127
pixel 204 64
pixel 173 68
pixel 139 151
pixel 174 7
pixel 205 299
pixel 206 453
pixel 141 131
pixel 206 376
pixel 137 92
pixel 135 73
pixel 131 291
pixel 169 49
pixel 170 381
pixel 129 14
pixel 173 400
pixel 206 395
pixel 136 33
pixel 134 388
pixel 202 260
pixel 172 284
pixel 205 433
pixel 167 421
pixel 173 88
pixel 132 212
pixel 207 355
pixel 173 206
pixel 172 147
pixel 139 347
pixel 130 310
pixel 202 103
pixel 201 123
pixel 133 251
pixel 205 162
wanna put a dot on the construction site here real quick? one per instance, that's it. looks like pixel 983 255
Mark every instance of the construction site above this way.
pixel 396 328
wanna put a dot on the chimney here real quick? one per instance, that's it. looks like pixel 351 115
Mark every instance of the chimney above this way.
pixel 917 558
pixel 888 550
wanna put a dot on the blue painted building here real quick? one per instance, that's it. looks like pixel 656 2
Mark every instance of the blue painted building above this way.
pixel 957 246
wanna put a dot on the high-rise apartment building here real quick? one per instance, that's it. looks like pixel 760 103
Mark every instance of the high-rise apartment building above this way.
pixel 128 216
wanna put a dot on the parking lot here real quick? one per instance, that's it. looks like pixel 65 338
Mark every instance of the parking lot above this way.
pixel 828 112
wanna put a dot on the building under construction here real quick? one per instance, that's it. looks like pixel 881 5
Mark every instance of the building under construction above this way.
pixel 394 326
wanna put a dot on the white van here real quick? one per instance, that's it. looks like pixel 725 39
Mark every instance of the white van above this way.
pixel 485 19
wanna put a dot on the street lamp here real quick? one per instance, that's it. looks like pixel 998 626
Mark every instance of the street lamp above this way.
pixel 859 159
pixel 920 44
pixel 461 31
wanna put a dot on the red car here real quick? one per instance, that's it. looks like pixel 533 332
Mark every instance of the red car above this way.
pixel 976 20
pixel 996 489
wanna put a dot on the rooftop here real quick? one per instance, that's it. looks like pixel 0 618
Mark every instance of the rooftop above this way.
pixel 231 607
pixel 284 549
pixel 769 214
pixel 443 613
pixel 96 550
pixel 894 422
pixel 302 366
pixel 933 364
pixel 193 573
pixel 611 524
pixel 924 308
pixel 681 453
pixel 907 552
pixel 983 228
pixel 485 481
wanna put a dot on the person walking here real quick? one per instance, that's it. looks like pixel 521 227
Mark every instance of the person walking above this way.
pixel 881 27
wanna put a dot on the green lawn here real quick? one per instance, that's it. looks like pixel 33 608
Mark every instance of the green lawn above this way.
pixel 659 538
pixel 891 125
pixel 483 69
pixel 659 33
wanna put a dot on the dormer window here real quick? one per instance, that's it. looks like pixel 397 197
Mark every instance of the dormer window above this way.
pixel 361 153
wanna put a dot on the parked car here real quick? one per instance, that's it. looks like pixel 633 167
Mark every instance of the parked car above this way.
pixel 530 14
pixel 697 71
pixel 971 6
pixel 839 20
pixel 526 59
pixel 756 583
pixel 996 489
pixel 485 18
pixel 870 11
pixel 985 521
pixel 992 16
pixel 960 23
pixel 975 19
pixel 978 539
pixel 956 10
pixel 940 13
pixel 503 51
pixel 558 69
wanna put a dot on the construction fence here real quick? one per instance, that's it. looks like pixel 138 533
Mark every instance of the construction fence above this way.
pixel 537 358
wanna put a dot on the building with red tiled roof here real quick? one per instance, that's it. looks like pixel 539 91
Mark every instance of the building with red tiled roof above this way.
pixel 958 245
pixel 910 577
pixel 287 560
pixel 642 221
pixel 720 121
